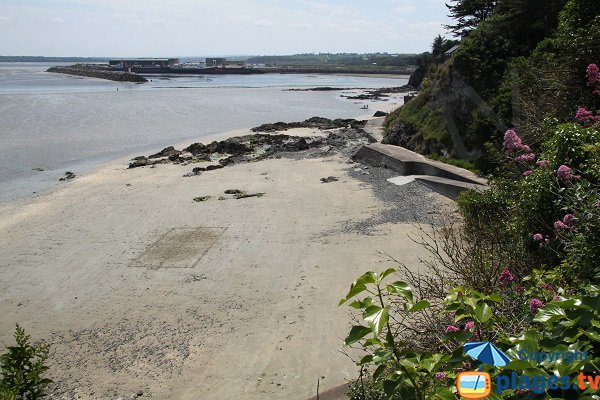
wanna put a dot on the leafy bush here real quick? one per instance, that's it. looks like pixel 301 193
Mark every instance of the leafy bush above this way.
pixel 531 314
pixel 519 269
pixel 22 368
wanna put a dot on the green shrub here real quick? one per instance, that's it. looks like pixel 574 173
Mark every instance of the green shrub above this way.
pixel 23 367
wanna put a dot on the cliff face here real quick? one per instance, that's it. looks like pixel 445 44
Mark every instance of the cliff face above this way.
pixel 514 70
pixel 431 123
pixel 98 73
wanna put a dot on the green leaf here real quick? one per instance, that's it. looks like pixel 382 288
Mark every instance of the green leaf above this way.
pixel 471 302
pixel 496 298
pixel 380 370
pixel 401 289
pixel 369 277
pixel 390 387
pixel 592 335
pixel 362 304
pixel 418 306
pixel 366 359
pixel 355 289
pixel 550 313
pixel 357 333
pixel 377 318
pixel 444 394
pixel 386 273
pixel 483 313
pixel 518 365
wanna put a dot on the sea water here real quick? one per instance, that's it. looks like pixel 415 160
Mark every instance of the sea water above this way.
pixel 51 123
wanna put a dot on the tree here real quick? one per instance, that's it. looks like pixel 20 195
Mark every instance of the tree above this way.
pixel 469 14
pixel 22 368
pixel 436 47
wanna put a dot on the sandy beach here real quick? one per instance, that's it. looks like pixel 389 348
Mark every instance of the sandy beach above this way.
pixel 140 288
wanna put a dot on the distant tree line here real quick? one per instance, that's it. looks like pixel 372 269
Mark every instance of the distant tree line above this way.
pixel 352 59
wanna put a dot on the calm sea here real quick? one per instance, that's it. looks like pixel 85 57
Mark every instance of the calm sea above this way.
pixel 56 122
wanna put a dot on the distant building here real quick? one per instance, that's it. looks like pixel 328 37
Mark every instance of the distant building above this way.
pixel 235 64
pixel 216 63
pixel 143 62
pixel 451 50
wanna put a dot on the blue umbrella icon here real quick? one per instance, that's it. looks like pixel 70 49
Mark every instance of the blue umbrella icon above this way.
pixel 487 353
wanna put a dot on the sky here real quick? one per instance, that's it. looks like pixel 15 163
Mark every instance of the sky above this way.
pixel 180 28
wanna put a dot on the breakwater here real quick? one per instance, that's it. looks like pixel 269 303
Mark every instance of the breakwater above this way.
pixel 98 73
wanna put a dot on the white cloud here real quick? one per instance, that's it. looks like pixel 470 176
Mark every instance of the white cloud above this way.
pixel 404 7
pixel 206 27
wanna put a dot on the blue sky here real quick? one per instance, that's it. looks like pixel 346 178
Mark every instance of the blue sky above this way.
pixel 222 27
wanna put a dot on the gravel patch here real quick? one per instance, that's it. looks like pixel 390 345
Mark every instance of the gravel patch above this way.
pixel 411 203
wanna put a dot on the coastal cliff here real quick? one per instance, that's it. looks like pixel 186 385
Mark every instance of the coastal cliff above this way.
pixel 91 72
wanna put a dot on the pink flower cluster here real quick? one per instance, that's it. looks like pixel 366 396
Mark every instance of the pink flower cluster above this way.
pixel 512 143
pixel 506 277
pixel 539 238
pixel 528 157
pixel 584 115
pixel 568 223
pixel 440 376
pixel 543 163
pixel 452 329
pixel 593 77
pixel 566 173
pixel 469 325
pixel 535 305
pixel 519 289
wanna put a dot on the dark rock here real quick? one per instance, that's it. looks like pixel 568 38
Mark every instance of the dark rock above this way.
pixel 405 135
pixel 201 199
pixel 213 167
pixel 166 152
pixel 227 161
pixel 196 149
pixel 299 145
pixel 233 191
pixel 229 146
pixel 203 157
pixel 314 122
pixel 139 162
pixel 318 89
pixel 380 114
pixel 380 94
pixel 68 176
pixel 246 195
pixel 417 77
pixel 329 179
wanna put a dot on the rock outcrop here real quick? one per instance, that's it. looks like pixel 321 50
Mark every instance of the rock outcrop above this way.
pixel 345 137
pixel 314 122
